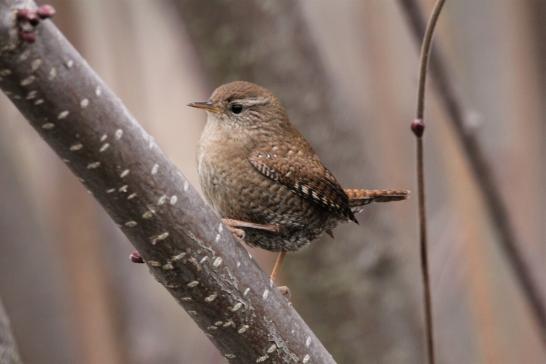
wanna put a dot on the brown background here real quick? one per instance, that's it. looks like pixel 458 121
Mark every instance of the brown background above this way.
pixel 71 293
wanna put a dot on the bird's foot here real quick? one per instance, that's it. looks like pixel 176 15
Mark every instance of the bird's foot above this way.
pixel 239 234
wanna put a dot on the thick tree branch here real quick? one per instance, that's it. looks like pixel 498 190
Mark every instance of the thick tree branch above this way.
pixel 181 239
pixel 481 169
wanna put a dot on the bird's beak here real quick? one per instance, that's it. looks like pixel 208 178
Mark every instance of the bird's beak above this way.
pixel 206 105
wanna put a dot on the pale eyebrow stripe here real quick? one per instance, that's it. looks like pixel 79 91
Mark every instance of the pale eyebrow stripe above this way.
pixel 253 101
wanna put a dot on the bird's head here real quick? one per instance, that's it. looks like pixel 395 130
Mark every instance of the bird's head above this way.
pixel 242 104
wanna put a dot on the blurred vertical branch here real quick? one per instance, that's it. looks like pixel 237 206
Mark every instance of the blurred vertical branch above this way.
pixel 481 170
pixel 357 284
pixel 8 348
pixel 31 281
pixel 418 128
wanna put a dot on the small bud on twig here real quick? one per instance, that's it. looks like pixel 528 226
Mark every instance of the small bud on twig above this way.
pixel 418 127
pixel 135 257
pixel 46 11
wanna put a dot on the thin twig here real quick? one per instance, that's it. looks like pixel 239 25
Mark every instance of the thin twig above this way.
pixel 418 128
pixel 184 243
pixel 482 172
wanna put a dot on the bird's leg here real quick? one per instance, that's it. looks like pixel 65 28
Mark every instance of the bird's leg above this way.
pixel 285 291
pixel 235 226
pixel 277 266
pixel 273 228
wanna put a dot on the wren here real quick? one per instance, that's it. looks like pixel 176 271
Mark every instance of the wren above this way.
pixel 264 179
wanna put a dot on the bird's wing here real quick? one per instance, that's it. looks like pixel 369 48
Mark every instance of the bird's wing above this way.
pixel 304 175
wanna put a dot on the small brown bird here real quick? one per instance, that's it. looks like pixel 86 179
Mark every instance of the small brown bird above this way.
pixel 263 177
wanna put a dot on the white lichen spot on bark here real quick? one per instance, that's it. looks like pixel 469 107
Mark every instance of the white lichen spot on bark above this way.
pixel 63 114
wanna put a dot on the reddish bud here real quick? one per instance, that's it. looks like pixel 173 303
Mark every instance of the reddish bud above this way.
pixel 45 11
pixel 135 257
pixel 23 14
pixel 33 19
pixel 418 127
pixel 28 37
pixel 28 15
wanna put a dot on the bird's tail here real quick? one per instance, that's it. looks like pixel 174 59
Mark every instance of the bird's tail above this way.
pixel 358 198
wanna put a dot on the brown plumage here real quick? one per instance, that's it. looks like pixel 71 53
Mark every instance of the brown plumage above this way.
pixel 255 167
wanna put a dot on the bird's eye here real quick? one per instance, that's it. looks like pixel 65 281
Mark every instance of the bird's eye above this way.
pixel 236 108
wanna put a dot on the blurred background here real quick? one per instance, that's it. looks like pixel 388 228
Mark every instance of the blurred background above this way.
pixel 347 72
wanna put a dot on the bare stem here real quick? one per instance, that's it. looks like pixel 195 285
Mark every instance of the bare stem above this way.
pixel 482 172
pixel 425 54
pixel 418 128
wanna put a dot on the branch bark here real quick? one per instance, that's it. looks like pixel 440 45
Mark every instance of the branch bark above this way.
pixel 182 240
pixel 481 170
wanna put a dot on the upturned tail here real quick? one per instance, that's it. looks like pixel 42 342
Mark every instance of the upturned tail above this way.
pixel 358 198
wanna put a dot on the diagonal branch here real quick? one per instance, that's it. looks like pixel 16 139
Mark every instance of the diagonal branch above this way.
pixel 481 170
pixel 182 240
